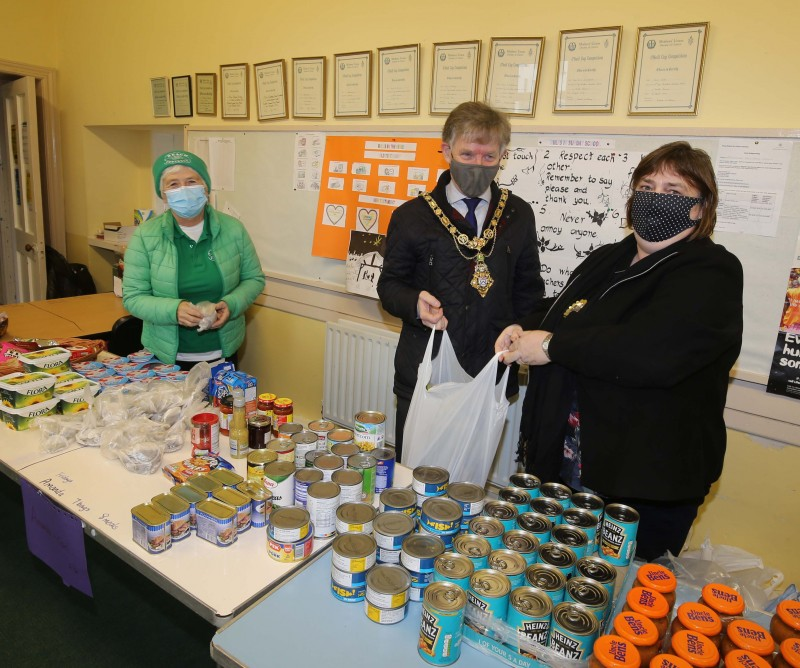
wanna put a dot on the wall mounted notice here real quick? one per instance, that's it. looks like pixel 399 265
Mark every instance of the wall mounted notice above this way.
pixel 364 179
pixel 364 263
pixel 784 375
pixel 578 196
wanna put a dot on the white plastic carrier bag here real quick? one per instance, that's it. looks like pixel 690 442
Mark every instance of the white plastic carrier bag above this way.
pixel 454 420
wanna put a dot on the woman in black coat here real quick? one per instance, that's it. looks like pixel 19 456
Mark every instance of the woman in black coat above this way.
pixel 630 362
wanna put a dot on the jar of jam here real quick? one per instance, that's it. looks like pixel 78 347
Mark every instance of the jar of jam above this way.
pixel 698 618
pixel 786 621
pixel 669 661
pixel 695 648
pixel 259 432
pixel 749 636
pixel 724 600
pixel 265 404
pixel 282 412
pixel 741 658
pixel 225 413
pixel 788 655
pixel 611 651
pixel 660 579
pixel 651 604
pixel 640 631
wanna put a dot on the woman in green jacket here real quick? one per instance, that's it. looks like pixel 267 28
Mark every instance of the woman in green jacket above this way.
pixel 190 254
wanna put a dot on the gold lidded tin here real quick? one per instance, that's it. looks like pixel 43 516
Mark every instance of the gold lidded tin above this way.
pixel 557 491
pixel 526 481
pixel 279 480
pixel 441 624
pixel 388 586
pixel 391 528
pixel 488 592
pixel 401 499
pixel 242 503
pixel 304 441
pixel 547 578
pixel 548 507
pixel 290 524
pixel 328 464
pixel 440 515
pixel 323 499
pixel 345 450
pixel 256 461
pixel 204 484
pixel 351 482
pixel 517 496
pixel 589 593
pixel 216 522
pixel 312 455
pixel 539 525
pixel 476 548
pixel 260 502
pixel 353 552
pixel 338 435
pixel 283 447
pixel 471 497
pixel 453 567
pixel 151 528
pixel 598 570
pixel 559 555
pixel 430 480
pixel 226 477
pixel 355 517
pixel 523 542
pixel 321 429
pixel 511 564
pixel 289 429
pixel 490 528
pixel 192 496
pixel 419 551
pixel 571 536
pixel 502 510
pixel 573 631
pixel 529 613
pixel 369 430
pixel 179 512
pixel 367 465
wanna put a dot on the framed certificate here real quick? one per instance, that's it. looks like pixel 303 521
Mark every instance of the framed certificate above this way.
pixel 308 87
pixel 398 80
pixel 235 91
pixel 668 70
pixel 206 93
pixel 182 96
pixel 455 75
pixel 159 94
pixel 271 90
pixel 587 69
pixel 352 90
pixel 512 78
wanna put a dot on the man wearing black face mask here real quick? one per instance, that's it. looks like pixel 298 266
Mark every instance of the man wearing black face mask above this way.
pixel 463 257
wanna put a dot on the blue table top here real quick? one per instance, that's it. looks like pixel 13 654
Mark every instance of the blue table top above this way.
pixel 302 623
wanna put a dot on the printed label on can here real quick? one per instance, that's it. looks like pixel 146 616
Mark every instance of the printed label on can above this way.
pixel 385 615
pixel 289 552
pixel 441 625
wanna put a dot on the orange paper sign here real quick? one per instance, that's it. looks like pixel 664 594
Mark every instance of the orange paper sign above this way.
pixel 364 179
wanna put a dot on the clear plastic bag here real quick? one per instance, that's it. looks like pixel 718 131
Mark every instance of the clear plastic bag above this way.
pixel 209 312
pixel 454 420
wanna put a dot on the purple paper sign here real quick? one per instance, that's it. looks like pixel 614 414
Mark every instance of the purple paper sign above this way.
pixel 56 537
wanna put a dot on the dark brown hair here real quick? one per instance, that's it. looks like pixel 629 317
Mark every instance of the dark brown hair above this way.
pixel 475 121
pixel 692 164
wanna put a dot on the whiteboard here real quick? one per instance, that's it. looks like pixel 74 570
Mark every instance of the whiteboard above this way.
pixel 281 220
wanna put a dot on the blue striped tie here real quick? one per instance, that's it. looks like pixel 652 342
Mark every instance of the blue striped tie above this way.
pixel 472 204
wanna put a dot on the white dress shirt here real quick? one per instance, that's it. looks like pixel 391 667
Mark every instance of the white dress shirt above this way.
pixel 456 199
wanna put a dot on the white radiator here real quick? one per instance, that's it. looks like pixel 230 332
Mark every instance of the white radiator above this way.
pixel 359 371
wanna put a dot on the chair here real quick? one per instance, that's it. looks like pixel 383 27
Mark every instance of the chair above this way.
pixel 126 336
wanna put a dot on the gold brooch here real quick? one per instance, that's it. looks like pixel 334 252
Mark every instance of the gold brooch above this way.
pixel 575 307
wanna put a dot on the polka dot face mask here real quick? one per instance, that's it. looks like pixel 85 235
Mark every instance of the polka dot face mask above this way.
pixel 660 216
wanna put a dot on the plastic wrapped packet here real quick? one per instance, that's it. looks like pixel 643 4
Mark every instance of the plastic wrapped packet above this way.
pixel 142 457
pixel 58 432
pixel 197 381
pixel 112 440
pixel 209 312
pixel 91 431
pixel 174 439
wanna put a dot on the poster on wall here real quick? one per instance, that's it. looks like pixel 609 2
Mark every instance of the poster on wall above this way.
pixel 364 263
pixel 784 374
pixel 364 179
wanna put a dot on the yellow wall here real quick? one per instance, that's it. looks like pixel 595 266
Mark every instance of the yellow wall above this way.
pixel 107 51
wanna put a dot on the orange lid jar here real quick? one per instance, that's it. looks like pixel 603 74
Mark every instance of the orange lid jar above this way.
pixel 749 636
pixel 741 658
pixel 660 579
pixel 786 621
pixel 696 649
pixel 611 651
pixel 651 604
pixel 639 630
pixel 698 618
pixel 788 655
pixel 669 661
pixel 724 600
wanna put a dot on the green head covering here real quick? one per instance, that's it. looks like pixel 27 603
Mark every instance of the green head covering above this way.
pixel 179 158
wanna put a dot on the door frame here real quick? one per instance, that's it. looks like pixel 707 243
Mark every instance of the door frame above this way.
pixel 50 129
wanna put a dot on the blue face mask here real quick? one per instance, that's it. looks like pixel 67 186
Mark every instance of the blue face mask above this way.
pixel 187 201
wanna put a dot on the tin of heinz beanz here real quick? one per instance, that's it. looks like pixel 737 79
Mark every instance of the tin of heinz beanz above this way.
pixel 618 534
pixel 442 623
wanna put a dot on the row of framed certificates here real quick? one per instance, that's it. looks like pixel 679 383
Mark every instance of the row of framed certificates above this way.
pixel 666 80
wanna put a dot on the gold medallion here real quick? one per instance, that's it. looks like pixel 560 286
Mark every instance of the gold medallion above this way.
pixel 481 279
